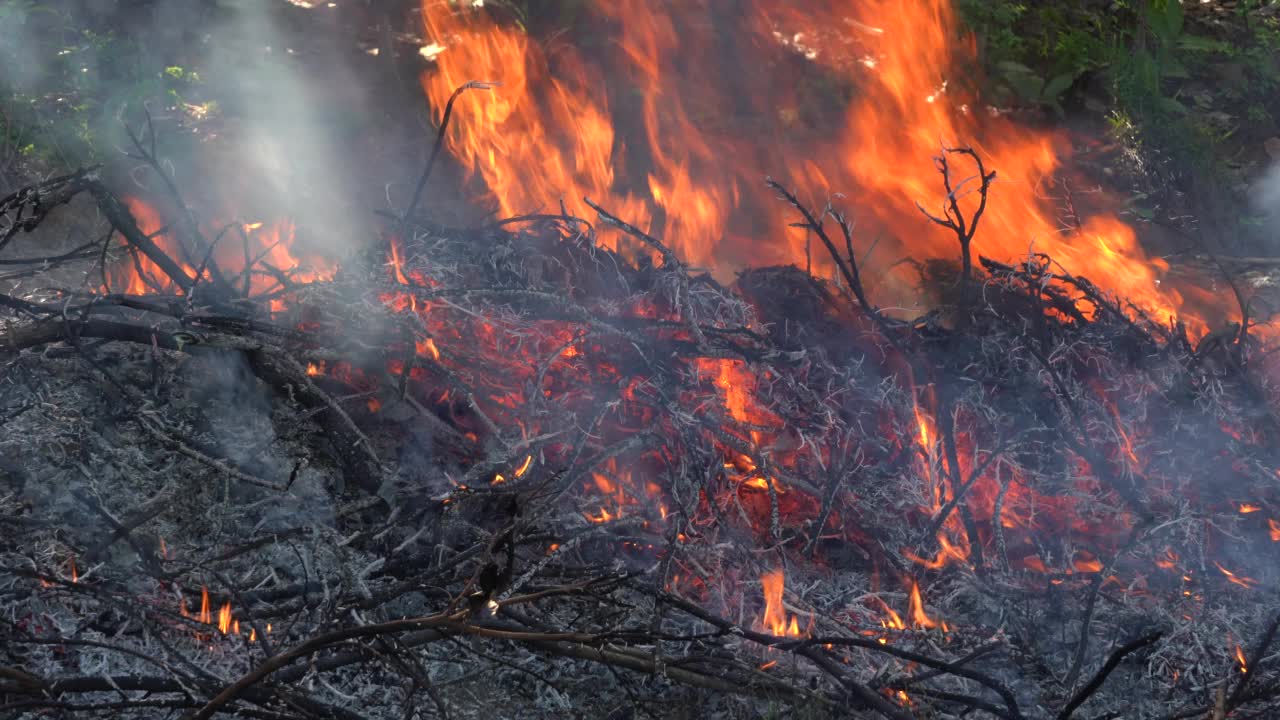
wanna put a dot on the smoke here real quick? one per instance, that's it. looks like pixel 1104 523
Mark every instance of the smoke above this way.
pixel 287 157
pixel 264 108
pixel 1266 203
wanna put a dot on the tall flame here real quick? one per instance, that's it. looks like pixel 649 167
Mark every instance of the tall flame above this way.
pixel 664 157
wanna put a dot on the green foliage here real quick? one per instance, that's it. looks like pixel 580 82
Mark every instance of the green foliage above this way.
pixel 65 83
pixel 1037 52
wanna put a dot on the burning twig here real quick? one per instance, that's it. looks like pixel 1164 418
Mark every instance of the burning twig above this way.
pixel 953 217
pixel 148 155
pixel 123 221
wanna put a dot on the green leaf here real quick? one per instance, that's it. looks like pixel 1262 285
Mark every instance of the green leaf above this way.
pixel 1029 87
pixel 1165 20
pixel 1199 43
pixel 1058 85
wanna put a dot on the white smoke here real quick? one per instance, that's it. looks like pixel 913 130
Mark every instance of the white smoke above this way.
pixel 1266 202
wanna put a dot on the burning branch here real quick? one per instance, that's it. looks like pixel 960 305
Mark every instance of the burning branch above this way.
pixel 953 217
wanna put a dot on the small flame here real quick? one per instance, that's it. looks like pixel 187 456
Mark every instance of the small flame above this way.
pixel 918 615
pixel 1275 529
pixel 498 479
pixel 205 616
pixel 1242 581
pixel 427 347
pixel 1168 560
pixel 75 575
pixel 1246 508
pixel 1088 565
pixel 224 618
pixel 775 614
pixel 374 405
pixel 313 369
pixel 604 516
pixel 1244 665
pixel 524 467
pixel 894 622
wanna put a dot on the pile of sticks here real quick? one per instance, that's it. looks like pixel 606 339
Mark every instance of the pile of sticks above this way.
pixel 561 475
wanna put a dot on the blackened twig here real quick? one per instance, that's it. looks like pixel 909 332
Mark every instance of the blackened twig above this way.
pixel 435 149
pixel 1100 677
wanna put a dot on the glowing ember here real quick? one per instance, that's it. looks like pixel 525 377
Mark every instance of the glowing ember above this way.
pixel 1274 527
pixel 1244 665
pixel 1246 508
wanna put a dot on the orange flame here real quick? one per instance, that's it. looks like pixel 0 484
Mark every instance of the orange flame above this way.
pixel 918 615
pixel 1244 665
pixel 549 132
pixel 1242 581
pixel 1246 508
pixel 224 618
pixel 775 619
pixel 205 616
pixel 524 467
pixel 1274 527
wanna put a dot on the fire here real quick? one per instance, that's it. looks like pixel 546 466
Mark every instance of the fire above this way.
pixel 1242 581
pixel 524 467
pixel 1087 565
pixel 258 263
pixel 427 347
pixel 75 575
pixel 918 616
pixel 1247 508
pixel 205 617
pixel 224 618
pixel 1244 665
pixel 1274 527
pixel 551 131
pixel 775 619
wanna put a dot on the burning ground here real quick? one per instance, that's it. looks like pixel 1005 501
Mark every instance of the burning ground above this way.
pixel 547 466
